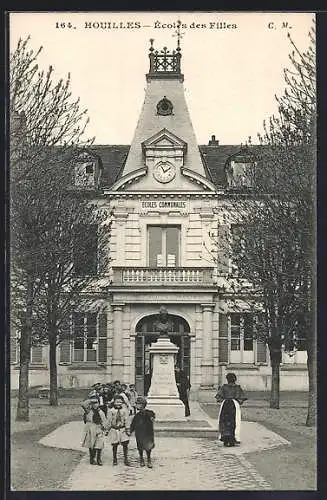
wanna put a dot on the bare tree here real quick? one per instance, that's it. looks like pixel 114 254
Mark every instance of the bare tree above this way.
pixel 47 129
pixel 273 248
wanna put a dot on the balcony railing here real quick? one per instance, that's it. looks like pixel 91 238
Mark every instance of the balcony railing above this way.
pixel 163 275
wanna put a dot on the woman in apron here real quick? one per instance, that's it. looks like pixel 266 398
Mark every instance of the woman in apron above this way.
pixel 231 396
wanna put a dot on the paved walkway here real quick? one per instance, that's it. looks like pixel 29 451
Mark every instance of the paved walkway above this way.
pixel 178 463
pixel 183 464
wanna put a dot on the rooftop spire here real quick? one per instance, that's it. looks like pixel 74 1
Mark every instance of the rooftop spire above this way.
pixel 179 35
pixel 166 64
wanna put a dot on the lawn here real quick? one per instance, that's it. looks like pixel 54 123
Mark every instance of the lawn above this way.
pixel 41 413
pixel 37 467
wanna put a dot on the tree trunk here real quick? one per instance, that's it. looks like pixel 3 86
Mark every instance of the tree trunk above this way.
pixel 24 357
pixel 53 400
pixel 24 362
pixel 275 352
pixel 274 394
pixel 312 396
pixel 311 420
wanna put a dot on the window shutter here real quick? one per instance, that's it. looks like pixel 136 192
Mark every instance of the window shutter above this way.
pixel 223 249
pixel 261 344
pixel 261 351
pixel 223 338
pixel 102 355
pixel 13 350
pixel 65 351
pixel 37 354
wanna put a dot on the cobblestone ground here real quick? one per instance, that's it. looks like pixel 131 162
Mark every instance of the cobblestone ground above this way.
pixel 178 464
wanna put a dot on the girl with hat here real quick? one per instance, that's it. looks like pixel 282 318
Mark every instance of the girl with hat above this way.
pixel 95 426
pixel 119 428
pixel 142 424
pixel 231 396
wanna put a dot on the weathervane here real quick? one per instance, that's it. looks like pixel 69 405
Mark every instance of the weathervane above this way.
pixel 179 35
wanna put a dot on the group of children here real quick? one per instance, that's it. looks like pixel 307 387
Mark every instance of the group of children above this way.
pixel 113 410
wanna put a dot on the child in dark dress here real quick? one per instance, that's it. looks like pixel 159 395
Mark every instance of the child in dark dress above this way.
pixel 142 424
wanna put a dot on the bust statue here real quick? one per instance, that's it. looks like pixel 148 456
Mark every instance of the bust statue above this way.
pixel 163 325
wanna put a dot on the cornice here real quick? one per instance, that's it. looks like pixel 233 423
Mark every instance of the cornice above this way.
pixel 198 178
pixel 129 178
pixel 161 194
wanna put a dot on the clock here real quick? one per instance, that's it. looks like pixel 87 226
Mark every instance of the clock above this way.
pixel 164 172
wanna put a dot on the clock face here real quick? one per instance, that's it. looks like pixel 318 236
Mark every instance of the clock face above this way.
pixel 164 172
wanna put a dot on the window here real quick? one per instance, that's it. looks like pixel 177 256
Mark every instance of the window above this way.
pixel 240 170
pixel 37 352
pixel 298 344
pixel 298 354
pixel 164 246
pixel 241 174
pixel 84 174
pixel 242 348
pixel 37 355
pixel 85 340
pixel 85 250
pixel 14 349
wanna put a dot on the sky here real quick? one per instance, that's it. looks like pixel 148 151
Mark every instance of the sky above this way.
pixel 232 74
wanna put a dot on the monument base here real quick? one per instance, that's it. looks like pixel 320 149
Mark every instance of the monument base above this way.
pixel 167 408
pixel 163 397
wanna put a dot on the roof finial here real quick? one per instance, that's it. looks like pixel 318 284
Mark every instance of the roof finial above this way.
pixel 151 42
pixel 179 34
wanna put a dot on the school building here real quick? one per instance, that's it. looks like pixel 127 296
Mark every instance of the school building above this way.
pixel 170 198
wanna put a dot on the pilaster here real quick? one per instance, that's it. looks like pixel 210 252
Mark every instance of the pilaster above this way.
pixel 117 341
pixel 207 354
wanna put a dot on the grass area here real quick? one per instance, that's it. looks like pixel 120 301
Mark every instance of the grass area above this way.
pixel 37 467
pixel 289 467
pixel 62 393
pixel 42 414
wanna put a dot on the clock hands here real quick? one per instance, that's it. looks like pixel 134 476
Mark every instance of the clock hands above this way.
pixel 165 170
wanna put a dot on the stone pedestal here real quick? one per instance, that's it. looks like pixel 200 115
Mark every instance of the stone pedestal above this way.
pixel 163 396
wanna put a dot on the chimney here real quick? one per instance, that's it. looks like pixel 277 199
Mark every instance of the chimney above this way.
pixel 213 141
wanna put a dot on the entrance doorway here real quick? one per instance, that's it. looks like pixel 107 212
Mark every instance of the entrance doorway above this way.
pixel 145 335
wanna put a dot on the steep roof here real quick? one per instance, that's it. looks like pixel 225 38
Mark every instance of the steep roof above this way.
pixel 214 158
pixel 113 160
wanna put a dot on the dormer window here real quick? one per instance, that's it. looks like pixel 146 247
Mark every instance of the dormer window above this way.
pixel 86 171
pixel 240 170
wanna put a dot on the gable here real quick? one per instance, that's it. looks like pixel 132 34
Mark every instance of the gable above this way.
pixel 164 138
